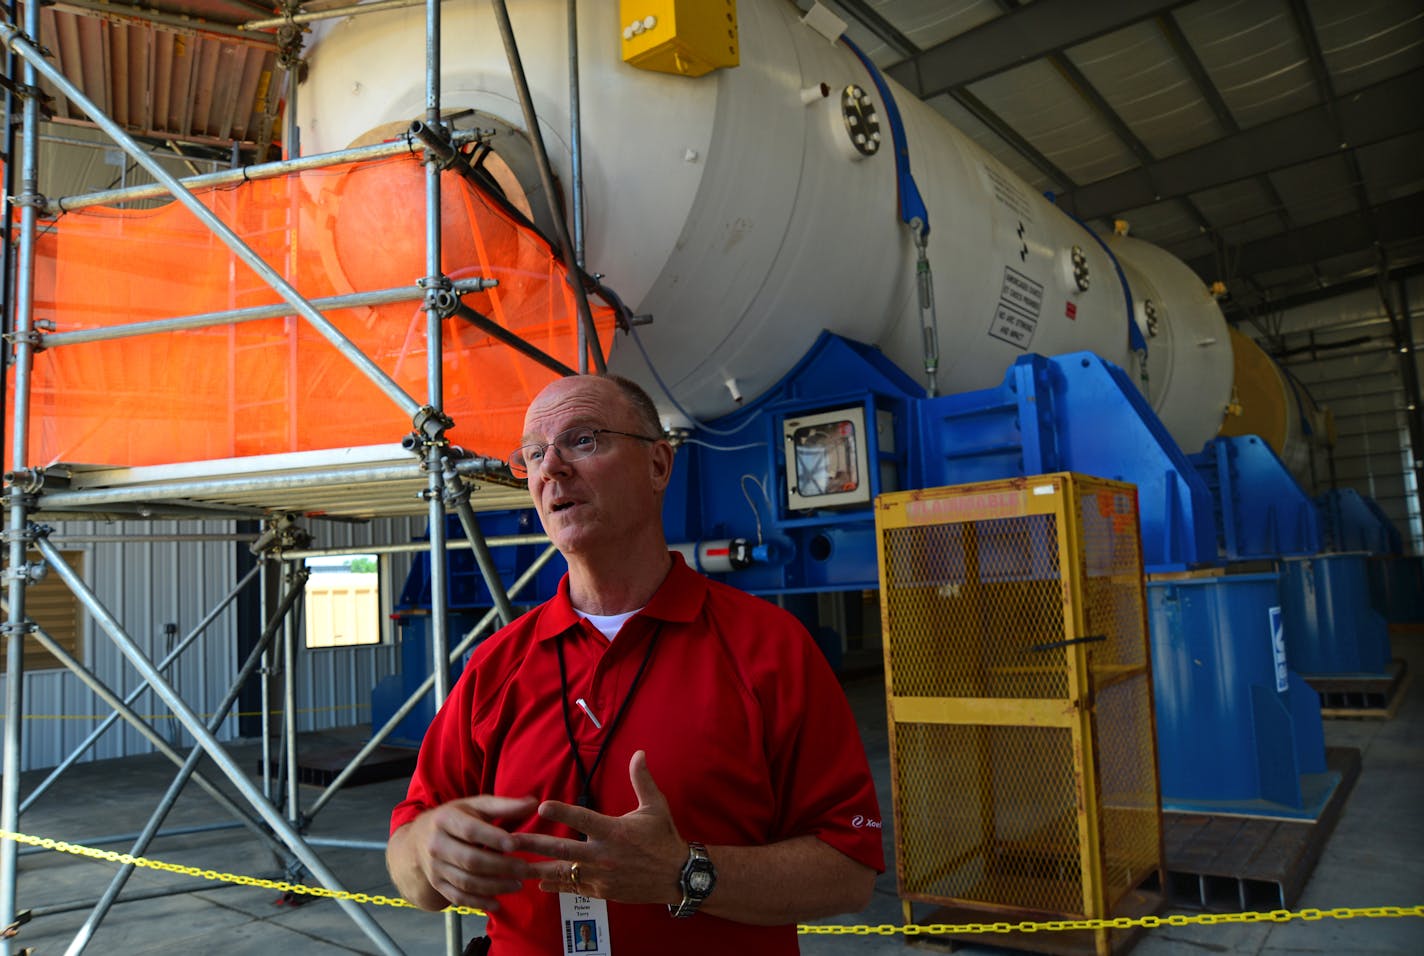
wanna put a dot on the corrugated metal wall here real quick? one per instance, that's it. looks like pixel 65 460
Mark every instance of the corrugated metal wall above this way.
pixel 1344 351
pixel 149 584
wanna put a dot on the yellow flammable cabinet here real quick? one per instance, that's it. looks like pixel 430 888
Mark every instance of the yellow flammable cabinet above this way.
pixel 1018 683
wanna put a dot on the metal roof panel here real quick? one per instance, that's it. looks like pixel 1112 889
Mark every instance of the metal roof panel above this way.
pixel 1036 100
pixel 1254 54
pixel 1139 75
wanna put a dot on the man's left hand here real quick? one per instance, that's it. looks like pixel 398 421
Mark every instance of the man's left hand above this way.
pixel 635 858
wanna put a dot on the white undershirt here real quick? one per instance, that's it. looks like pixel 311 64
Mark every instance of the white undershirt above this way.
pixel 608 624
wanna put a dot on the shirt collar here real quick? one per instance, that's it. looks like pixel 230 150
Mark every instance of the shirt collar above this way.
pixel 677 600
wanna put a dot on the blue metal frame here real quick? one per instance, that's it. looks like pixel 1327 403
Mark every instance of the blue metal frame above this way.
pixel 1352 522
pixel 1079 413
pixel 1066 413
pixel 1261 512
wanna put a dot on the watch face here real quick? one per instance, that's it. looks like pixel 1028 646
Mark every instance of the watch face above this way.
pixel 699 881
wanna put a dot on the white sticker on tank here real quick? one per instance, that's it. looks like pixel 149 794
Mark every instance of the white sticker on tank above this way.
pixel 1008 192
pixel 1020 304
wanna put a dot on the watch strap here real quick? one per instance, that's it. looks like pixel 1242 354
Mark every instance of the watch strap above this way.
pixel 698 862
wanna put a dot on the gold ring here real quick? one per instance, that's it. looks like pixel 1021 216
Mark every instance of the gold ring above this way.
pixel 573 875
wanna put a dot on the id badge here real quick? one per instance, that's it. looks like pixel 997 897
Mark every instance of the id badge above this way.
pixel 585 925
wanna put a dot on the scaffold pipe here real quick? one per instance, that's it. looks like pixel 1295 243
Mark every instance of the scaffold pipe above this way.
pixel 253 313
pixel 332 13
pixel 228 177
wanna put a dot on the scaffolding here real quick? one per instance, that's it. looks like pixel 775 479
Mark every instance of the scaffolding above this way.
pixel 420 473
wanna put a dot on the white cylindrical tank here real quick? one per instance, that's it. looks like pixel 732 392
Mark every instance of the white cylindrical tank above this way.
pixel 736 210
pixel 1189 366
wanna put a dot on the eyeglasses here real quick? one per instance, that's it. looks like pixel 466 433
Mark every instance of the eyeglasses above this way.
pixel 572 445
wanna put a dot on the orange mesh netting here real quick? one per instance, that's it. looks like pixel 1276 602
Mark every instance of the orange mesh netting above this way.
pixel 277 385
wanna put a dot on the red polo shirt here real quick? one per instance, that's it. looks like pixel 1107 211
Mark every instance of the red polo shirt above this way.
pixel 747 732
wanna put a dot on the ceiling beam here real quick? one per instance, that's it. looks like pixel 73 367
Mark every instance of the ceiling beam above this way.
pixel 884 30
pixel 1016 38
pixel 1008 134
pixel 1396 221
pixel 1187 54
pixel 1371 115
pixel 1238 309
pixel 1325 85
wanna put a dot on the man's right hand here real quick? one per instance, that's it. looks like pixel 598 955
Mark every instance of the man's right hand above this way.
pixel 456 855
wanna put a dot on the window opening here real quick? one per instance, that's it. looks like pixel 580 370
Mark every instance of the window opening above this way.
pixel 343 601
pixel 51 605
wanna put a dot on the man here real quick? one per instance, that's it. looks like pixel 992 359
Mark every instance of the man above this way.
pixel 651 750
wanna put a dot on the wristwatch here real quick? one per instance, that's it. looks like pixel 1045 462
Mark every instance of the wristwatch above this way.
pixel 698 878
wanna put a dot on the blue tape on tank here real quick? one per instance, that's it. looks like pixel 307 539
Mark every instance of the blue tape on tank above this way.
pixel 1135 339
pixel 912 205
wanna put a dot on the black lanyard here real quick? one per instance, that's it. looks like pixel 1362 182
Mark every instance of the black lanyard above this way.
pixel 586 775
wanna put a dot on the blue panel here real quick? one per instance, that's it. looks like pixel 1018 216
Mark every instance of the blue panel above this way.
pixel 391 692
pixel 1230 737
pixel 1276 768
pixel 466 583
pixel 1067 413
pixel 1261 512
pixel 1352 522
pixel 729 481
pixel 1074 413
pixel 1332 626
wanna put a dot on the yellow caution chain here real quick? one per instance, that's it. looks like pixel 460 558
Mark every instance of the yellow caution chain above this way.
pixel 806 929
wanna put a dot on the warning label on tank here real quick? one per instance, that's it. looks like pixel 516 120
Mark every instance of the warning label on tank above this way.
pixel 1020 303
pixel 1002 186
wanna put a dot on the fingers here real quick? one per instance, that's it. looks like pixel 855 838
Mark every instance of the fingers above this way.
pixel 556 848
pixel 465 854
pixel 471 819
pixel 644 787
pixel 555 876
pixel 580 819
pixel 479 879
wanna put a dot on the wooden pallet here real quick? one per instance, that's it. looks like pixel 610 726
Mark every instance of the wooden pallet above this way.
pixel 1364 697
pixel 1143 901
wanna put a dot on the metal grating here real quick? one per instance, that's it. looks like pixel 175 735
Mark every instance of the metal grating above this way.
pixel 998 822
pixel 1022 741
pixel 951 581
pixel 1132 828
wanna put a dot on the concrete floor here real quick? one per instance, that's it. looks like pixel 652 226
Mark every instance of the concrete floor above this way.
pixel 1375 858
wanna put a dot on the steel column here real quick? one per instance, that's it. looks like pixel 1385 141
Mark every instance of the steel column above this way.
pixel 289 695
pixel 265 566
pixel 435 443
pixel 576 163
pixel 19 496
